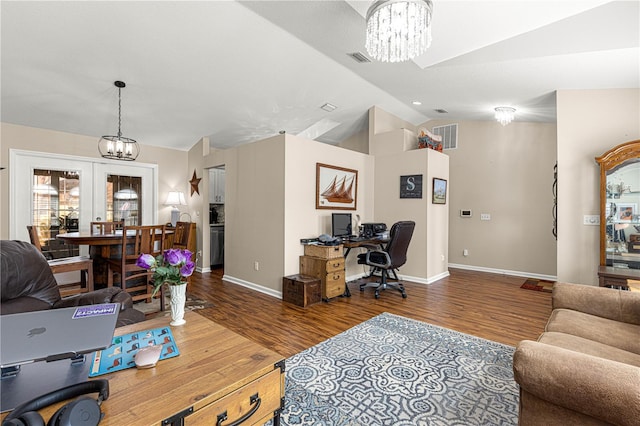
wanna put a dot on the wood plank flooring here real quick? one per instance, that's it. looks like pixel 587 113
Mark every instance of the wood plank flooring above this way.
pixel 490 306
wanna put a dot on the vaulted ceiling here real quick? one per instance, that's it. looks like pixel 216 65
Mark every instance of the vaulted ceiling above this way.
pixel 238 71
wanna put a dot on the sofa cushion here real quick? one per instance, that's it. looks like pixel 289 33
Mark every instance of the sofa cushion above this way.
pixel 609 332
pixel 589 347
pixel 23 304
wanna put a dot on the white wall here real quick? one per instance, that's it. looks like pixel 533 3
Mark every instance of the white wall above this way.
pixel 590 122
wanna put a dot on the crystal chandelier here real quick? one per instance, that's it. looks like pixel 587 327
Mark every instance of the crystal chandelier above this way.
pixel 118 147
pixel 505 115
pixel 398 30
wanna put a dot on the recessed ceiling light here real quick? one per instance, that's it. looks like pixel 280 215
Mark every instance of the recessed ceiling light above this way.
pixel 328 107
pixel 416 103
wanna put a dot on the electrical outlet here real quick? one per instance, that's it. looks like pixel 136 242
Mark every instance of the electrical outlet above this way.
pixel 485 216
pixel 256 265
pixel 442 257
pixel 591 219
pixel 465 252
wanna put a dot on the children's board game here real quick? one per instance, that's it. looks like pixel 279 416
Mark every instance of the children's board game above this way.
pixel 119 356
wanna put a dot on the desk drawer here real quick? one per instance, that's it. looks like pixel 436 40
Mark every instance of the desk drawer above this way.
pixel 335 265
pixel 334 284
pixel 244 402
pixel 317 267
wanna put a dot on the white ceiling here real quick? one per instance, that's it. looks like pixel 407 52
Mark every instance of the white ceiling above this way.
pixel 238 71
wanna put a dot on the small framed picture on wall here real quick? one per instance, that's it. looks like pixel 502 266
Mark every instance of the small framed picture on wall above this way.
pixel 439 191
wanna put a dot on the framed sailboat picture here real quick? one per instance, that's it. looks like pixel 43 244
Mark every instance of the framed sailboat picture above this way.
pixel 336 187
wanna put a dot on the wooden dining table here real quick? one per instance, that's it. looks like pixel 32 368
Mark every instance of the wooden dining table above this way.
pixel 101 248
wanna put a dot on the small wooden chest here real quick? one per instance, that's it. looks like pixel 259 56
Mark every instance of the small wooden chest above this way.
pixel 323 252
pixel 301 290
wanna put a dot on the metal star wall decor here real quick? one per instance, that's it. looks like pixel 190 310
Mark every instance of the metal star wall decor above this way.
pixel 195 183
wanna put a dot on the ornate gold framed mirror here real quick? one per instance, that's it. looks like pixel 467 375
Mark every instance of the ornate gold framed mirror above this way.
pixel 619 207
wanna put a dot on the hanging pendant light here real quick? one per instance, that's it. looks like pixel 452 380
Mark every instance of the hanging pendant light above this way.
pixel 118 147
pixel 398 30
pixel 505 115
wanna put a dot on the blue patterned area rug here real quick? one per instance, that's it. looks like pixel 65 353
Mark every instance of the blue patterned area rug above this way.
pixel 392 370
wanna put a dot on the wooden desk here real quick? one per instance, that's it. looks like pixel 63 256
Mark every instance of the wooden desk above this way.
pixel 216 371
pixel 348 245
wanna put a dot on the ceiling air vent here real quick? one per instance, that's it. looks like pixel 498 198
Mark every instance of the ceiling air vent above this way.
pixel 441 111
pixel 449 135
pixel 359 57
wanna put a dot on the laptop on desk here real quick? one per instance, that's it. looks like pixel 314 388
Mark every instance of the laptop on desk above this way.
pixel 53 337
pixel 55 334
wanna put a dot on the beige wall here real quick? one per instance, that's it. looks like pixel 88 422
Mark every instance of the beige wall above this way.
pixel 506 172
pixel 590 122
pixel 380 121
pixel 302 218
pixel 427 255
pixel 172 164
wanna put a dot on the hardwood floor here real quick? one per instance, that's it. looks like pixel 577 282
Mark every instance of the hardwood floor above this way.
pixel 486 305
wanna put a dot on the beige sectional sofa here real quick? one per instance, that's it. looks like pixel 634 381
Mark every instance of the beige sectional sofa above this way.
pixel 585 368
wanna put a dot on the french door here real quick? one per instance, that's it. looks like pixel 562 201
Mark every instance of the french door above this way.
pixel 61 193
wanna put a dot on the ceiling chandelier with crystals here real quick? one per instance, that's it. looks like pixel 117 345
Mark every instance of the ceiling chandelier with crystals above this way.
pixel 398 30
pixel 505 115
pixel 118 147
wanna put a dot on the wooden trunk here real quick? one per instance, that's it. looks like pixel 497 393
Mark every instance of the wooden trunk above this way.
pixel 301 290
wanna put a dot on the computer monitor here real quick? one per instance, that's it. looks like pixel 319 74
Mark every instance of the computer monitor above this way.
pixel 341 224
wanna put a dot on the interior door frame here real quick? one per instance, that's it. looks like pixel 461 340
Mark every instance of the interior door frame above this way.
pixel 24 162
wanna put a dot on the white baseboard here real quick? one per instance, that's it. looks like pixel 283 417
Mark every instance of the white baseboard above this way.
pixel 418 280
pixel 205 269
pixel 504 272
pixel 253 286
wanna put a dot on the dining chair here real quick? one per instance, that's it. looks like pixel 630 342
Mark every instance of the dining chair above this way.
pixel 137 281
pixel 102 228
pixel 182 238
pixel 83 264
pixel 182 235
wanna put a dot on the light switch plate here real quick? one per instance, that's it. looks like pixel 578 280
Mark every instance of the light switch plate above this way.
pixel 485 216
pixel 591 219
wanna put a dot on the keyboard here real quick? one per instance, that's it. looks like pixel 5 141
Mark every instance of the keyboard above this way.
pixel 357 239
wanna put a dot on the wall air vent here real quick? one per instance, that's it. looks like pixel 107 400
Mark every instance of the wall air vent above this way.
pixel 359 57
pixel 449 135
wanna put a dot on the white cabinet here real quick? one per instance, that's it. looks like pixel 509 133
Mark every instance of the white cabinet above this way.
pixel 216 186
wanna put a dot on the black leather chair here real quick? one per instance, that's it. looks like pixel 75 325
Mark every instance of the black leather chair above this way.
pixel 387 261
pixel 27 285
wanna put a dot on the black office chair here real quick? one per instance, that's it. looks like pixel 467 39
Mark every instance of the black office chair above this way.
pixel 387 261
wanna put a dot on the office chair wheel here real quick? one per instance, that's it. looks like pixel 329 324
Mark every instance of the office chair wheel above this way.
pixel 377 294
pixel 404 295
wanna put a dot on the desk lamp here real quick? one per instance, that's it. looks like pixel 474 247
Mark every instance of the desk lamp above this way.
pixel 175 198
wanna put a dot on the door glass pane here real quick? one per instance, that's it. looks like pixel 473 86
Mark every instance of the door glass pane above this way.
pixel 123 195
pixel 56 209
